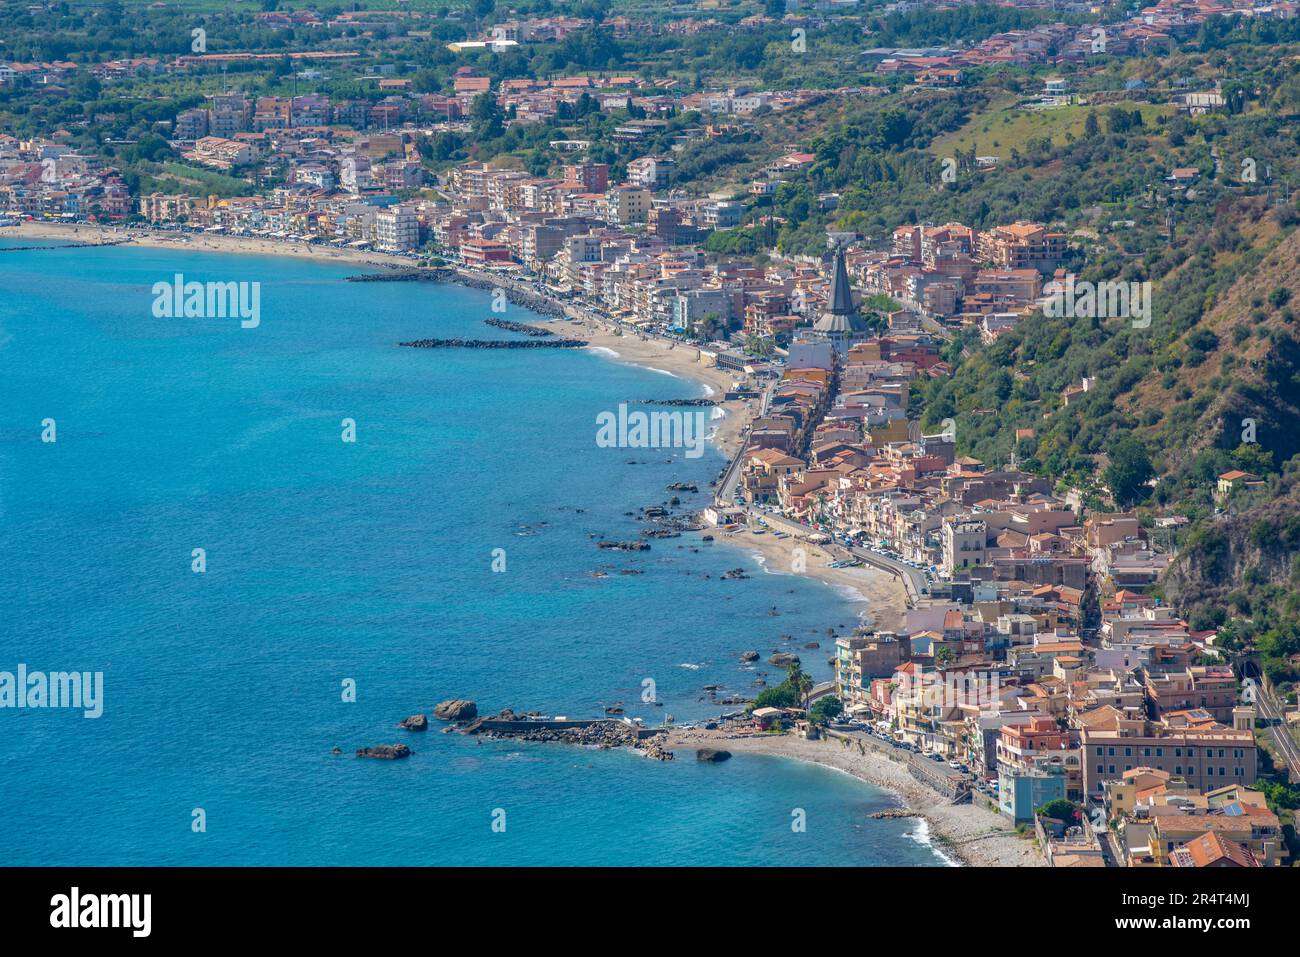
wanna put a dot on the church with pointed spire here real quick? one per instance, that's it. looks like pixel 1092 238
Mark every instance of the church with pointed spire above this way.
pixel 840 324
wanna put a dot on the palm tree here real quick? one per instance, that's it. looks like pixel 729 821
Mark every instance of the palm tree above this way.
pixel 802 684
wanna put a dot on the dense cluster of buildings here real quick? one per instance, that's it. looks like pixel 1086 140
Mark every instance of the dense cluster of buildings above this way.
pixel 1154 29
pixel 1036 656
pixel 988 279
pixel 44 177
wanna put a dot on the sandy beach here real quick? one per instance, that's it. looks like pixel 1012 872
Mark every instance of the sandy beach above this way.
pixel 82 233
pixel 883 599
pixel 972 835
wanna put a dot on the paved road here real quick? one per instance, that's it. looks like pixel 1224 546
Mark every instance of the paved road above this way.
pixel 913 579
pixel 1271 709
pixel 726 488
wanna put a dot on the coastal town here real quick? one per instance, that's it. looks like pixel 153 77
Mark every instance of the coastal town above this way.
pixel 1080 650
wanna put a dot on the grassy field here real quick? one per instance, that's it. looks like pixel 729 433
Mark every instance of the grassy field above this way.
pixel 195 179
pixel 1004 126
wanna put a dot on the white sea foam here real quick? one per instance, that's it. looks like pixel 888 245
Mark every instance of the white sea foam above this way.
pixel 922 836
pixel 603 351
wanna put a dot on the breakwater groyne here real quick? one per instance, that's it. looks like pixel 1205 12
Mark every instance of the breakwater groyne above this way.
pixel 19 249
pixel 536 332
pixel 532 343
pixel 696 403
pixel 513 293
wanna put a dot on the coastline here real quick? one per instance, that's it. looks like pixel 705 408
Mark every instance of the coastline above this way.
pixel 972 835
pixel 885 598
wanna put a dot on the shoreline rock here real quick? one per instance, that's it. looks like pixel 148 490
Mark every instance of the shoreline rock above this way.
pixel 713 755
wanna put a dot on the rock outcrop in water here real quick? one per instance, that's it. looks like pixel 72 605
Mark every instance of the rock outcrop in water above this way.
pixel 416 722
pixel 456 709
pixel 715 755
pixel 385 752
pixel 624 546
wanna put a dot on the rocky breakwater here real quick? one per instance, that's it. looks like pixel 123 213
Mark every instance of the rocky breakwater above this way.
pixel 605 733
pixel 534 302
pixel 531 343
pixel 535 332
pixel 688 403
pixel 407 274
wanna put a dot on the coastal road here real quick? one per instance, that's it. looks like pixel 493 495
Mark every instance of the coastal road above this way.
pixel 913 579
pixel 1271 710
pixel 726 489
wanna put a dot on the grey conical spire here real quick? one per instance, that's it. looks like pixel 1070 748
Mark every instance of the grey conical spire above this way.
pixel 841 297
pixel 840 318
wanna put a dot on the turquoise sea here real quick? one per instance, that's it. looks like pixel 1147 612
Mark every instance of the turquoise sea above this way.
pixel 371 562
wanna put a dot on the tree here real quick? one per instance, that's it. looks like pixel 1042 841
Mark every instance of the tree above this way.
pixel 825 709
pixel 1060 810
pixel 801 683
pixel 1129 471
